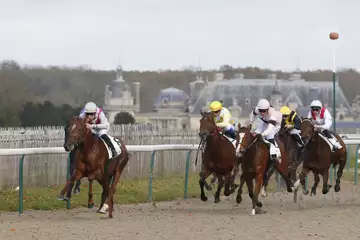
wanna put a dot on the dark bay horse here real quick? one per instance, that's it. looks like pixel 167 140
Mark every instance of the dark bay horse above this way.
pixel 92 161
pixel 255 155
pixel 293 152
pixel 218 157
pixel 318 158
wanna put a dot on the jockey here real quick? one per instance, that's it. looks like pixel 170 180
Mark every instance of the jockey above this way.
pixel 222 118
pixel 97 123
pixel 270 123
pixel 323 121
pixel 292 123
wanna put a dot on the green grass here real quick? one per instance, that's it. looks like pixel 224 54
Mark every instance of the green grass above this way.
pixel 128 191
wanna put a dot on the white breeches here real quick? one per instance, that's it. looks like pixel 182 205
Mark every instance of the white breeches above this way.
pixel 228 127
pixel 261 127
pixel 295 131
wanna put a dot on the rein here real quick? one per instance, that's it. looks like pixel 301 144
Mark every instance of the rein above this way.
pixel 252 143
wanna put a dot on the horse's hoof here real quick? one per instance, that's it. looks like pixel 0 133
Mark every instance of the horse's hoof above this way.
pixel 61 198
pixel 259 204
pixel 325 191
pixel 305 192
pixel 110 216
pixel 217 200
pixel 104 208
pixel 337 188
pixel 208 188
pixel 90 205
pixel 238 199
pixel 203 198
pixel 263 192
pixel 253 212
pixel 313 192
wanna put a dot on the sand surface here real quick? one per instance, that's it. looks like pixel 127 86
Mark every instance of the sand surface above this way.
pixel 331 216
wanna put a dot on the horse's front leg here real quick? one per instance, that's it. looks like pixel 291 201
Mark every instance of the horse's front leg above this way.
pixel 301 180
pixel 326 186
pixel 230 185
pixel 316 183
pixel 269 172
pixel 242 181
pixel 204 174
pixel 90 195
pixel 77 175
pixel 220 186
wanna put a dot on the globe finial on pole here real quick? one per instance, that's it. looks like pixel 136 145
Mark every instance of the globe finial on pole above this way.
pixel 334 36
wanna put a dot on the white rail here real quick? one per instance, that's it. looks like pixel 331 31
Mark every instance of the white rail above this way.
pixel 131 148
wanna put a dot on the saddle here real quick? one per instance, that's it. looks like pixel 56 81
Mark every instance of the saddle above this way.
pixel 231 140
pixel 116 143
pixel 332 142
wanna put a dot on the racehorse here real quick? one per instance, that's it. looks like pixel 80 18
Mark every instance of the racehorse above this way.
pixel 218 157
pixel 293 152
pixel 255 154
pixel 318 158
pixel 92 161
pixel 72 169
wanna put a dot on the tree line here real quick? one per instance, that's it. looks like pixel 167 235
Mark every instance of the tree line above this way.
pixel 73 86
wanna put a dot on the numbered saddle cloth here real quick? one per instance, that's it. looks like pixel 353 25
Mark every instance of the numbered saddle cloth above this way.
pixel 117 145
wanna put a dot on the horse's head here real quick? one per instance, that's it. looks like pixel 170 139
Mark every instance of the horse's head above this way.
pixel 74 133
pixel 307 129
pixel 243 139
pixel 207 126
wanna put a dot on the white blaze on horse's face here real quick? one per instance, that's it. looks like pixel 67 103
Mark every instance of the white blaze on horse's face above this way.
pixel 241 137
pixel 73 127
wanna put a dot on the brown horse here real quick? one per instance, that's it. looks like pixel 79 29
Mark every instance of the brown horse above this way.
pixel 293 152
pixel 218 157
pixel 92 161
pixel 255 155
pixel 318 158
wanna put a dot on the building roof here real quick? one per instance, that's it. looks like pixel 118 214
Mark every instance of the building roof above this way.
pixel 173 98
pixel 249 91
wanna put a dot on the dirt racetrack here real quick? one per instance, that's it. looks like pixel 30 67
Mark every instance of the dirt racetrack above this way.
pixel 333 216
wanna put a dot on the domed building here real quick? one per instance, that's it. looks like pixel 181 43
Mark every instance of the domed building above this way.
pixel 118 97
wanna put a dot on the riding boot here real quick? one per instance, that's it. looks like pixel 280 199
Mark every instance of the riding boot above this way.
pixel 298 139
pixel 331 139
pixel 273 157
pixel 109 143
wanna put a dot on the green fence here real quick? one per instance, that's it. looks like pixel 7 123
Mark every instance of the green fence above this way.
pixel 186 181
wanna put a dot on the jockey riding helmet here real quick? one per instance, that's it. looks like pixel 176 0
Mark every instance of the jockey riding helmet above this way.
pixel 285 110
pixel 263 104
pixel 316 104
pixel 90 107
pixel 215 106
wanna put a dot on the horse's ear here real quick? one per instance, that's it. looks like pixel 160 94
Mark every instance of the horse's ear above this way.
pixel 201 112
pixel 302 118
pixel 249 126
pixel 239 126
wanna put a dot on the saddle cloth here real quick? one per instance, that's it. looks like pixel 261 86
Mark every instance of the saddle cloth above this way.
pixel 274 149
pixel 333 142
pixel 116 143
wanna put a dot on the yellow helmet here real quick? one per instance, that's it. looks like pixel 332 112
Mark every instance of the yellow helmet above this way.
pixel 285 110
pixel 215 106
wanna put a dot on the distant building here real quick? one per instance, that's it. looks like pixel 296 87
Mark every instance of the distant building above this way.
pixel 173 108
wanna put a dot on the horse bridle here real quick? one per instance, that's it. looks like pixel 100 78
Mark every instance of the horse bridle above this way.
pixel 312 135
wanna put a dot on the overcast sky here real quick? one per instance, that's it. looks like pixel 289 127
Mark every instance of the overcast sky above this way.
pixel 162 34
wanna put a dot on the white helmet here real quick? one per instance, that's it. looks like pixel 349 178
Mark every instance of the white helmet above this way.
pixel 316 103
pixel 90 107
pixel 263 104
